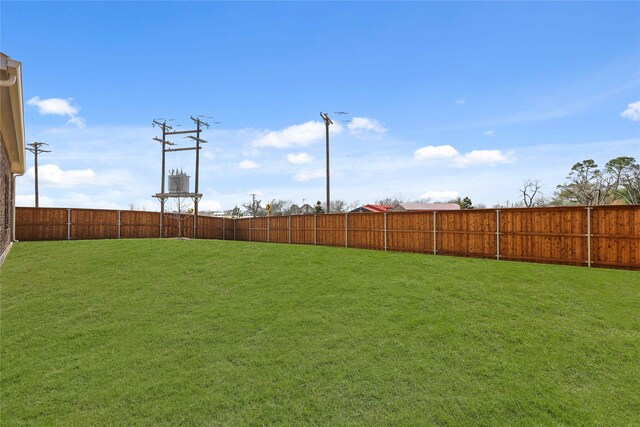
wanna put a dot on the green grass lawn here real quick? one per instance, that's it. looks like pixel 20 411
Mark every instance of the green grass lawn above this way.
pixel 211 332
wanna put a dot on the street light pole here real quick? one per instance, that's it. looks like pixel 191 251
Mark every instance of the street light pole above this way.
pixel 327 122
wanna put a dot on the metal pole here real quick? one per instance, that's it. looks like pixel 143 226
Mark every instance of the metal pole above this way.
pixel 119 223
pixel 68 224
pixel 385 231
pixel 346 231
pixel 589 237
pixel 435 251
pixel 498 234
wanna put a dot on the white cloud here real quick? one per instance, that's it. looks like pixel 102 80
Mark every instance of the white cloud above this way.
pixel 29 200
pixel 472 158
pixel 632 112
pixel 489 133
pixel 359 125
pixel 296 135
pixel 435 152
pixel 60 107
pixel 248 164
pixel 461 101
pixel 53 176
pixel 309 175
pixel 78 121
pixel 440 195
pixel 299 159
pixel 483 157
pixel 209 205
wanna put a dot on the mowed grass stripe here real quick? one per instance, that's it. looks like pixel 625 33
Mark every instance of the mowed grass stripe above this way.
pixel 211 332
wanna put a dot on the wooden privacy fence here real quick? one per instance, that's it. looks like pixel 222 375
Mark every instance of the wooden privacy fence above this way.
pixel 603 236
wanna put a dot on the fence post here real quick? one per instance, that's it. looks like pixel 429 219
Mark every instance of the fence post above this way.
pixel 315 230
pixel 68 224
pixel 346 230
pixel 269 229
pixel 498 234
pixel 234 228
pixel 385 231
pixel 289 225
pixel 249 229
pixel 160 225
pixel 589 236
pixel 119 223
pixel 223 227
pixel 435 251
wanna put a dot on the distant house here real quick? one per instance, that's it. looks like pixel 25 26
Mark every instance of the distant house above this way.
pixel 417 207
pixel 12 146
pixel 372 208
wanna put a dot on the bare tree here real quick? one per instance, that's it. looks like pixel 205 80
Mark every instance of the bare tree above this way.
pixel 181 206
pixel 255 208
pixel 531 193
pixel 342 206
pixel 392 200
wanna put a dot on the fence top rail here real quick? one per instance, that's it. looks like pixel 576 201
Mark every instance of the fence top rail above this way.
pixel 576 208
pixel 429 212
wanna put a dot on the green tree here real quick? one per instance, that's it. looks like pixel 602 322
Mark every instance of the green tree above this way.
pixel 620 182
pixel 318 208
pixel 236 212
pixel 585 185
pixel 465 203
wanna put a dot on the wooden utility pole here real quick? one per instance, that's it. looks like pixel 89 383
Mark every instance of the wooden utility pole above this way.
pixel 36 148
pixel 165 127
pixel 327 122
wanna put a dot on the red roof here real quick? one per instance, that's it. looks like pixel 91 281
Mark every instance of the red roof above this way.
pixel 377 208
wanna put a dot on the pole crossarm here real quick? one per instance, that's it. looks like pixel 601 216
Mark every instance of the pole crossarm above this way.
pixel 181 132
pixel 183 149
pixel 200 140
pixel 163 141
pixel 35 147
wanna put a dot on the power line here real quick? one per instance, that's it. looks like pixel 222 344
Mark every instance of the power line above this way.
pixel 36 148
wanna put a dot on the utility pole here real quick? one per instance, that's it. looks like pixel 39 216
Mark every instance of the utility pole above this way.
pixel 36 148
pixel 327 122
pixel 165 127
pixel 199 123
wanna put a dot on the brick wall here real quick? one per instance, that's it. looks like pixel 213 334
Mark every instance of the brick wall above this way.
pixel 6 202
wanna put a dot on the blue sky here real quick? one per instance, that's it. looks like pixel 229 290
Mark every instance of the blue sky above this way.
pixel 445 98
